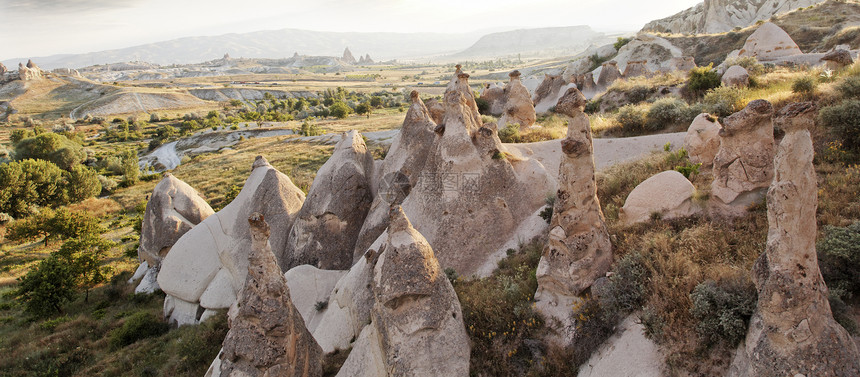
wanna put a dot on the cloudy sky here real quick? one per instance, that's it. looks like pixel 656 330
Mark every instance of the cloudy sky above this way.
pixel 30 28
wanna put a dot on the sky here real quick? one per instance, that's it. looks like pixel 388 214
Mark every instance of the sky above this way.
pixel 32 28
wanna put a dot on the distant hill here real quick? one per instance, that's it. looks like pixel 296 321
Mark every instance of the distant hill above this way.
pixel 267 44
pixel 554 41
pixel 718 16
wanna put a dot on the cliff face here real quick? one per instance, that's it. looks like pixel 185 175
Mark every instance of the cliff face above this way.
pixel 717 16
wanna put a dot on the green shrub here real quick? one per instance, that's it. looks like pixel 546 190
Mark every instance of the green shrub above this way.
pixel 804 85
pixel 843 122
pixel 621 42
pixel 702 79
pixel 627 288
pixel 363 108
pixel 849 87
pixel 631 119
pixel 510 133
pixel 339 110
pixel 25 185
pixel 197 351
pixel 483 106
pixel 310 129
pixel 140 325
pixel 46 288
pixel 723 101
pixel 83 183
pixel 750 63
pixel 546 213
pixel 723 309
pixel 665 112
pixel 839 259
pixel 50 147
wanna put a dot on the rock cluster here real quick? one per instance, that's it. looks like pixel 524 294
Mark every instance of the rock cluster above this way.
pixel 206 267
pixel 579 250
pixel 702 141
pixel 437 110
pixel 267 335
pixel 347 57
pixel 519 108
pixel 326 228
pixel 769 42
pixel 415 308
pixel 608 74
pixel 365 59
pixel 743 166
pixel 495 97
pixel 549 91
pixel 736 76
pixel 172 210
pixel 681 63
pixel 399 171
pixel 667 195
pixel 25 73
pixel 3 69
pixel 792 331
pixel 636 68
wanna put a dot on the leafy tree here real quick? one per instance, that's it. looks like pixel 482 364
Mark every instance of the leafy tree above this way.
pixel 363 108
pixel 130 168
pixel 29 183
pixel 83 183
pixel 60 224
pixel 301 104
pixel 340 110
pixel 84 255
pixel 50 147
pixel 376 101
pixel 47 287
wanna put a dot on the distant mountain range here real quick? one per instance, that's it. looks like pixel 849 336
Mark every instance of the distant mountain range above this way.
pixel 381 46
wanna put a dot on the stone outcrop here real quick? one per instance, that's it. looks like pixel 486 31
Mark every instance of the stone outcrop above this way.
pixel 681 63
pixel 743 166
pixel 769 42
pixel 365 59
pixel 67 72
pixel 837 59
pixel 636 68
pixel 400 171
pixel 792 331
pixel 608 74
pixel 267 335
pixel 3 69
pixel 579 250
pixel 347 57
pixel 437 110
pixel 585 84
pixel 310 286
pixel 519 108
pixel 667 195
pixel 736 76
pixel 468 182
pixel 702 141
pixel 626 353
pixel 325 231
pixel 172 210
pixel 416 317
pixel 495 97
pixel 348 308
pixel 32 65
pixel 549 91
pixel 25 73
pixel 719 16
pixel 206 267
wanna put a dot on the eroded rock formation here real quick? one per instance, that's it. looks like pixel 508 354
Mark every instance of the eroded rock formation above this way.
pixel 792 331
pixel 495 97
pixel 608 74
pixel 25 73
pixel 837 59
pixel 347 57
pixel 736 76
pixel 267 335
pixel 325 231
pixel 743 166
pixel 769 42
pixel 667 195
pixel 206 267
pixel 172 210
pixel 437 110
pixel 579 250
pixel 549 91
pixel 636 68
pixel 702 141
pixel 719 16
pixel 519 108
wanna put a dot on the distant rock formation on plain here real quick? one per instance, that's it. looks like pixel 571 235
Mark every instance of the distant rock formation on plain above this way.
pixel 347 57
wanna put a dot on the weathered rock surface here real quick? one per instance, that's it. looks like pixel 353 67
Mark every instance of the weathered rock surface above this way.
pixel 719 16
pixel 837 59
pixel 792 331
pixel 325 231
pixel 309 287
pixel 25 73
pixel 3 69
pixel 348 309
pixel 668 195
pixel 347 57
pixel 579 250
pixel 627 353
pixel 743 166
pixel 585 83
pixel 682 63
pixel 519 108
pixel 416 314
pixel 608 74
pixel 267 335
pixel 769 42
pixel 736 76
pixel 467 182
pixel 636 68
pixel 206 267
pixel 495 97
pixel 702 141
pixel 548 92
pixel 437 110
pixel 399 172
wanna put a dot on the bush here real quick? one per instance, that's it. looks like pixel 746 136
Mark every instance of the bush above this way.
pixel 140 325
pixel 83 183
pixel 631 119
pixel 108 185
pixel 130 168
pixel 46 288
pixel 310 129
pixel 843 121
pixel 749 63
pixel 28 184
pixel 483 106
pixel 849 87
pixel 363 108
pixel 510 133
pixel 839 259
pixel 627 288
pixel 804 85
pixel 723 101
pixel 621 42
pixel 702 79
pixel 665 112
pixel 51 147
pixel 723 310
pixel 339 110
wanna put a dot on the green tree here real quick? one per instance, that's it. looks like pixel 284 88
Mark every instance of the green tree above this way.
pixel 363 108
pixel 50 147
pixel 85 255
pixel 29 183
pixel 340 110
pixel 60 224
pixel 82 183
pixel 20 134
pixel 130 168
pixel 47 287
